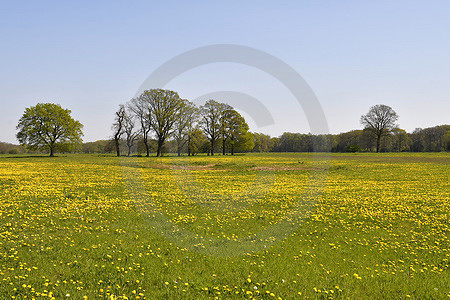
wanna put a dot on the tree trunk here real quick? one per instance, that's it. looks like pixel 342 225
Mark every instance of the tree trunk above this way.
pixel 232 148
pixel 52 151
pixel 160 145
pixel 117 147
pixel 223 147
pixel 147 149
pixel 129 151
pixel 189 146
pixel 378 142
pixel 212 147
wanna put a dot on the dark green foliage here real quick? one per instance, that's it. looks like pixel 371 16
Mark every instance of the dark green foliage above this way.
pixel 353 148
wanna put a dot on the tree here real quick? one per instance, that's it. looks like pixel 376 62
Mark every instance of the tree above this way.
pixel 164 107
pixel 235 131
pixel 380 120
pixel 47 126
pixel 400 140
pixel 196 141
pixel 262 142
pixel 322 143
pixel 289 142
pixel 195 136
pixel 446 139
pixel 366 138
pixel 129 128
pixel 348 140
pixel 243 142
pixel 118 127
pixel 226 115
pixel 184 124
pixel 211 113
pixel 141 109
pixel 433 138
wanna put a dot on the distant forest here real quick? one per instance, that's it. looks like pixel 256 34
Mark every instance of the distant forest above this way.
pixel 432 139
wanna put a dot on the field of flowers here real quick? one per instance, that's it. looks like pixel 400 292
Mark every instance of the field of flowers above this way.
pixel 264 226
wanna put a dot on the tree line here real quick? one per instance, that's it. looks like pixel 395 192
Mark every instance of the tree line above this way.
pixel 165 115
pixel 202 129
pixel 160 121
pixel 432 139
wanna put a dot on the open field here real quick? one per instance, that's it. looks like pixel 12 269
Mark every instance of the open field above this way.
pixel 264 226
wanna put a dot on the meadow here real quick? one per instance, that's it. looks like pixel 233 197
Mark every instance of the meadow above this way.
pixel 263 226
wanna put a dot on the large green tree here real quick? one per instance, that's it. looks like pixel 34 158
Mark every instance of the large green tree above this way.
pixel 164 106
pixel 196 140
pixel 48 126
pixel 235 132
pixel 262 142
pixel 400 140
pixel 186 119
pixel 212 122
pixel 141 110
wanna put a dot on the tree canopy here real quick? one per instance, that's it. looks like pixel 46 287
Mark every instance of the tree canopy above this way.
pixel 211 114
pixel 380 120
pixel 48 126
pixel 164 106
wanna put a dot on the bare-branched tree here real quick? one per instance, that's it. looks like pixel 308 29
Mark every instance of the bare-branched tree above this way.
pixel 118 127
pixel 130 130
pixel 380 120
pixel 141 109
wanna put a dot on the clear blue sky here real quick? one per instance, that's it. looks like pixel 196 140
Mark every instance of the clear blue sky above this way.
pixel 90 56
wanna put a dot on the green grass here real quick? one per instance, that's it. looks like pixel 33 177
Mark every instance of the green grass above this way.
pixel 264 226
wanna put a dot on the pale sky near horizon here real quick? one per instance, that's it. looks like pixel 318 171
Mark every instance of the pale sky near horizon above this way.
pixel 90 56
